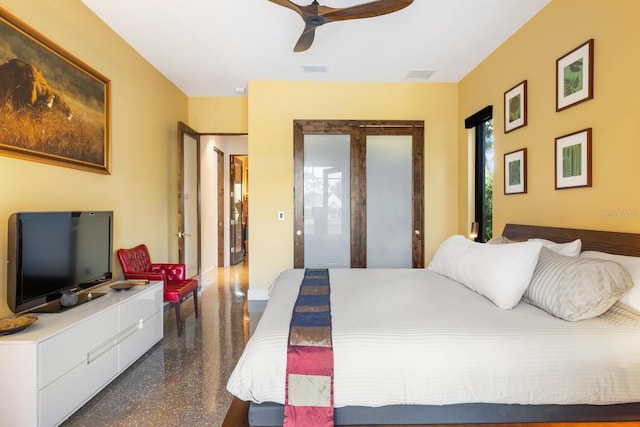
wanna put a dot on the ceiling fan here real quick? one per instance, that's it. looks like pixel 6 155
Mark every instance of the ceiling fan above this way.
pixel 315 15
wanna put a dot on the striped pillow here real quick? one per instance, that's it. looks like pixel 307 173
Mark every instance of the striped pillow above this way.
pixel 573 288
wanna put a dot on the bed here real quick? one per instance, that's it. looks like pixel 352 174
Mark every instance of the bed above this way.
pixel 413 346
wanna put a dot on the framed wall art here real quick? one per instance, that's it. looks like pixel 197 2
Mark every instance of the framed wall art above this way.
pixel 53 108
pixel 573 160
pixel 515 172
pixel 515 107
pixel 574 76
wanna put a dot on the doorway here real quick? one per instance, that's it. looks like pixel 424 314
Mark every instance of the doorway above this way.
pixel 203 163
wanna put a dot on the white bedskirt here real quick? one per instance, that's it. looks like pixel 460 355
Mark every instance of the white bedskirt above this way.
pixel 411 336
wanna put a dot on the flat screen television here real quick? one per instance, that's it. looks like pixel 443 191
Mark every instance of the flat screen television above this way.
pixel 50 253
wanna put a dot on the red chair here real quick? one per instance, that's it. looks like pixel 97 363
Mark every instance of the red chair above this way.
pixel 136 265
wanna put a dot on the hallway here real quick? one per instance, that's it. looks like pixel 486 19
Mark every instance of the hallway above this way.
pixel 181 380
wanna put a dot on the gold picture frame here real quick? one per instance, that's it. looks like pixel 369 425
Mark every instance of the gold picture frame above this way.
pixel 53 108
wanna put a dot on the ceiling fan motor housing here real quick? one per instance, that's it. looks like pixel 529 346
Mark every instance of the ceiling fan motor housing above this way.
pixel 315 21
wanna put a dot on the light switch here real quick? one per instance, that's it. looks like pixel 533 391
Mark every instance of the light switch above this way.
pixel 281 215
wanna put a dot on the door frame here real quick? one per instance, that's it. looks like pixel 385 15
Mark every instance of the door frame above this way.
pixel 358 131
pixel 220 202
pixel 184 130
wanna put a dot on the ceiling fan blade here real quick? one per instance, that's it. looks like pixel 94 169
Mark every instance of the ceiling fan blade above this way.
pixel 366 10
pixel 306 39
pixel 290 5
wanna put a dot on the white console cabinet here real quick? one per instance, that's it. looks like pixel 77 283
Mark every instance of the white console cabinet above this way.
pixel 49 370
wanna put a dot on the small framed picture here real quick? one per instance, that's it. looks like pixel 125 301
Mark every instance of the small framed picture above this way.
pixel 515 107
pixel 515 172
pixel 573 160
pixel 574 76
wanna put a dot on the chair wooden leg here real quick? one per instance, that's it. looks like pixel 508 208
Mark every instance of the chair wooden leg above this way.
pixel 176 307
pixel 195 302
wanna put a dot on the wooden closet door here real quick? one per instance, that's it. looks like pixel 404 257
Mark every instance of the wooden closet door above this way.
pixel 331 203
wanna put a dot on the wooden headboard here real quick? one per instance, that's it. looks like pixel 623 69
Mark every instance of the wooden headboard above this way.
pixel 604 241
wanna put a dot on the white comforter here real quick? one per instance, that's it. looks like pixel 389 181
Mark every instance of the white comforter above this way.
pixel 411 336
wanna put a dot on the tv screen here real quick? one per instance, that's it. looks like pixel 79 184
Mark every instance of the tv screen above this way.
pixel 54 252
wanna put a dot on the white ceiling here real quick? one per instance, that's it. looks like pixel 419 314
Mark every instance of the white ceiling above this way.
pixel 214 47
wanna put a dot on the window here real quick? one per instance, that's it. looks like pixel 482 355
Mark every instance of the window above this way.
pixel 482 122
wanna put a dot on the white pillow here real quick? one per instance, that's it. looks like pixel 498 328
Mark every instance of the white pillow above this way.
pixel 632 265
pixel 499 272
pixel 568 249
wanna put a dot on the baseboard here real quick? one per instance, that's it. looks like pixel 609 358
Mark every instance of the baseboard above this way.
pixel 258 294
pixel 207 278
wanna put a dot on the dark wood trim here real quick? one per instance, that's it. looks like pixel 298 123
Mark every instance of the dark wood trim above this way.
pixel 592 240
pixel 418 198
pixel 358 197
pixel 237 415
pixel 298 195
pixel 220 201
pixel 183 130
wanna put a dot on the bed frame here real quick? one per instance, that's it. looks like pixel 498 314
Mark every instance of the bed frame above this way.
pixel 270 414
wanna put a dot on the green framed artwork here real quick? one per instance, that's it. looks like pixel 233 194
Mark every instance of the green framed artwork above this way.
pixel 573 160
pixel 515 172
pixel 574 76
pixel 515 107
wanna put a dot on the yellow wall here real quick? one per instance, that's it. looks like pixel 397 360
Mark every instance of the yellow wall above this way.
pixel 218 115
pixel 272 108
pixel 613 203
pixel 145 108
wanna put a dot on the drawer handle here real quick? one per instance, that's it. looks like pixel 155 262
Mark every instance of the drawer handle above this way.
pixel 103 348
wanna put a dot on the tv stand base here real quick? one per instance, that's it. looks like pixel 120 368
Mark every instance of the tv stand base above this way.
pixel 60 362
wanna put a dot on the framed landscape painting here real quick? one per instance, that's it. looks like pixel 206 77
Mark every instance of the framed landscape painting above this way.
pixel 53 108
pixel 574 76
pixel 515 172
pixel 515 107
pixel 573 160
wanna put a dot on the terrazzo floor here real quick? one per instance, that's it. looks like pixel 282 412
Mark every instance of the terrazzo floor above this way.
pixel 181 381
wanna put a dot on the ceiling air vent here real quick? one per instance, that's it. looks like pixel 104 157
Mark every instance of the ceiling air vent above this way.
pixel 419 75
pixel 314 68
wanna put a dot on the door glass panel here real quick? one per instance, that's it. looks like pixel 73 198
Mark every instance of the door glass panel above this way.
pixel 190 205
pixel 327 202
pixel 389 201
pixel 236 211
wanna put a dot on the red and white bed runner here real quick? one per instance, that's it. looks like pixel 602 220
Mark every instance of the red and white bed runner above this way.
pixel 309 383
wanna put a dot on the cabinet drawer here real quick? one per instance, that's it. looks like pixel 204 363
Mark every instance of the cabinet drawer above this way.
pixel 72 347
pixel 144 335
pixel 64 396
pixel 142 306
